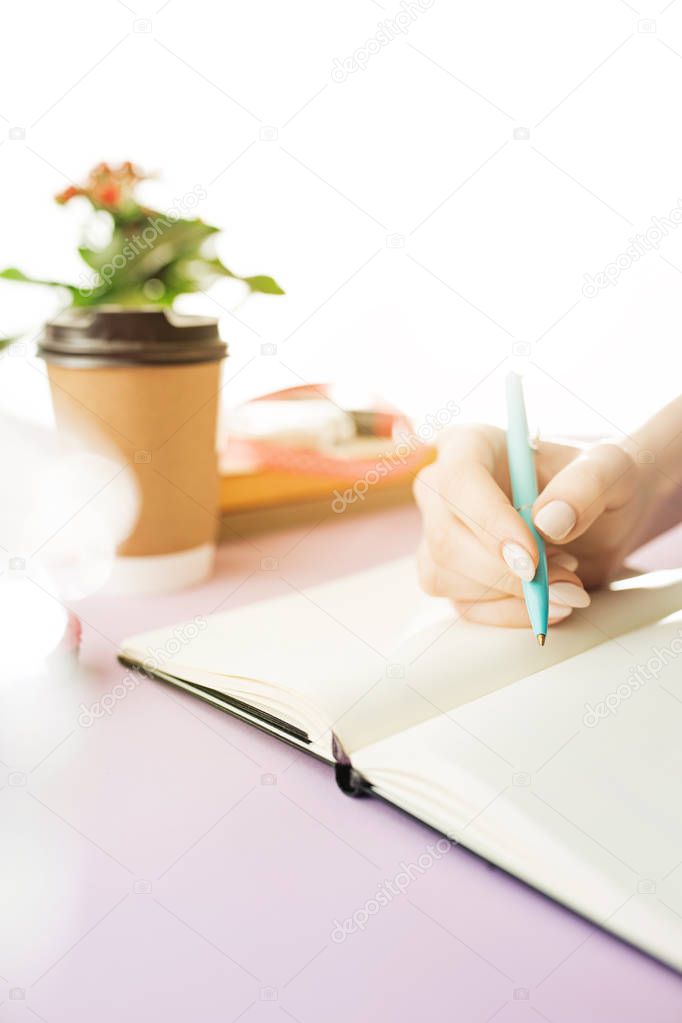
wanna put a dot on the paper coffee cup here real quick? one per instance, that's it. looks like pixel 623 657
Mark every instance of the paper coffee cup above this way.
pixel 144 385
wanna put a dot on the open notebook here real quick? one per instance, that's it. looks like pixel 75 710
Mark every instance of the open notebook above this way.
pixel 562 765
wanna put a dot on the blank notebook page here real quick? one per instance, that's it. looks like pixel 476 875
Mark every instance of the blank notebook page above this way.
pixel 585 807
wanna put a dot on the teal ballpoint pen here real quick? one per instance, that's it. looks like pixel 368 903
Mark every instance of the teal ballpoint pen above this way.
pixel 524 485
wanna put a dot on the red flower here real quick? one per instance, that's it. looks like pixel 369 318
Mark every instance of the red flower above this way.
pixel 108 195
pixel 110 188
pixel 68 193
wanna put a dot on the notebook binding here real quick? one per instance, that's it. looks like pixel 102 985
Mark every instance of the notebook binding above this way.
pixel 348 779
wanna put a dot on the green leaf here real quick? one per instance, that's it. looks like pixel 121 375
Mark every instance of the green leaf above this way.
pixel 144 245
pixel 265 285
pixel 12 274
pixel 142 250
pixel 89 256
pixel 218 267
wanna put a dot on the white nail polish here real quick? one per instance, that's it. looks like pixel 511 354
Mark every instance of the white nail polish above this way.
pixel 564 560
pixel 556 520
pixel 519 560
pixel 569 594
pixel 559 611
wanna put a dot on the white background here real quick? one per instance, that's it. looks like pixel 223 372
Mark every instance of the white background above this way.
pixel 495 234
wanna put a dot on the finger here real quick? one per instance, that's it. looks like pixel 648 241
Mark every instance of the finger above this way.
pixel 454 548
pixel 601 480
pixel 473 495
pixel 566 589
pixel 508 612
pixel 442 581
pixel 563 558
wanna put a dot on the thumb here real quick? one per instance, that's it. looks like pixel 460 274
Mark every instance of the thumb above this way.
pixel 602 479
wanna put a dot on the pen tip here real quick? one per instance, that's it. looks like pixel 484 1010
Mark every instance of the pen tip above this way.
pixel 541 638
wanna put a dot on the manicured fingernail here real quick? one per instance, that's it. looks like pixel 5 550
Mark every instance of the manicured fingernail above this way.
pixel 568 593
pixel 519 560
pixel 564 560
pixel 556 519
pixel 559 611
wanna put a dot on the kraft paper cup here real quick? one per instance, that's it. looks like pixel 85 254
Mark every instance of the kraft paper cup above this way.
pixel 142 387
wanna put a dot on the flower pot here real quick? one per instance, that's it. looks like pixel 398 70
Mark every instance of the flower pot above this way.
pixel 144 384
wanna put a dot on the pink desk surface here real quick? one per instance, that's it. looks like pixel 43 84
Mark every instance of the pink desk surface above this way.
pixel 168 862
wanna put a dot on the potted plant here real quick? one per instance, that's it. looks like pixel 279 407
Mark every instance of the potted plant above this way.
pixel 132 378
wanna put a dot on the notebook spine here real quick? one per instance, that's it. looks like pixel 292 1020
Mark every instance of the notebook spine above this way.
pixel 348 779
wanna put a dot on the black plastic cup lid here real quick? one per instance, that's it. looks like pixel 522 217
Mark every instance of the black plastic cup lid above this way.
pixel 108 336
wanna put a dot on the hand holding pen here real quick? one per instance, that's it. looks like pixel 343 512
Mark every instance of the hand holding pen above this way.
pixel 594 507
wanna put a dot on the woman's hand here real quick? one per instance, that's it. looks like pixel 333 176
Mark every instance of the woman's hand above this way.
pixel 476 549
